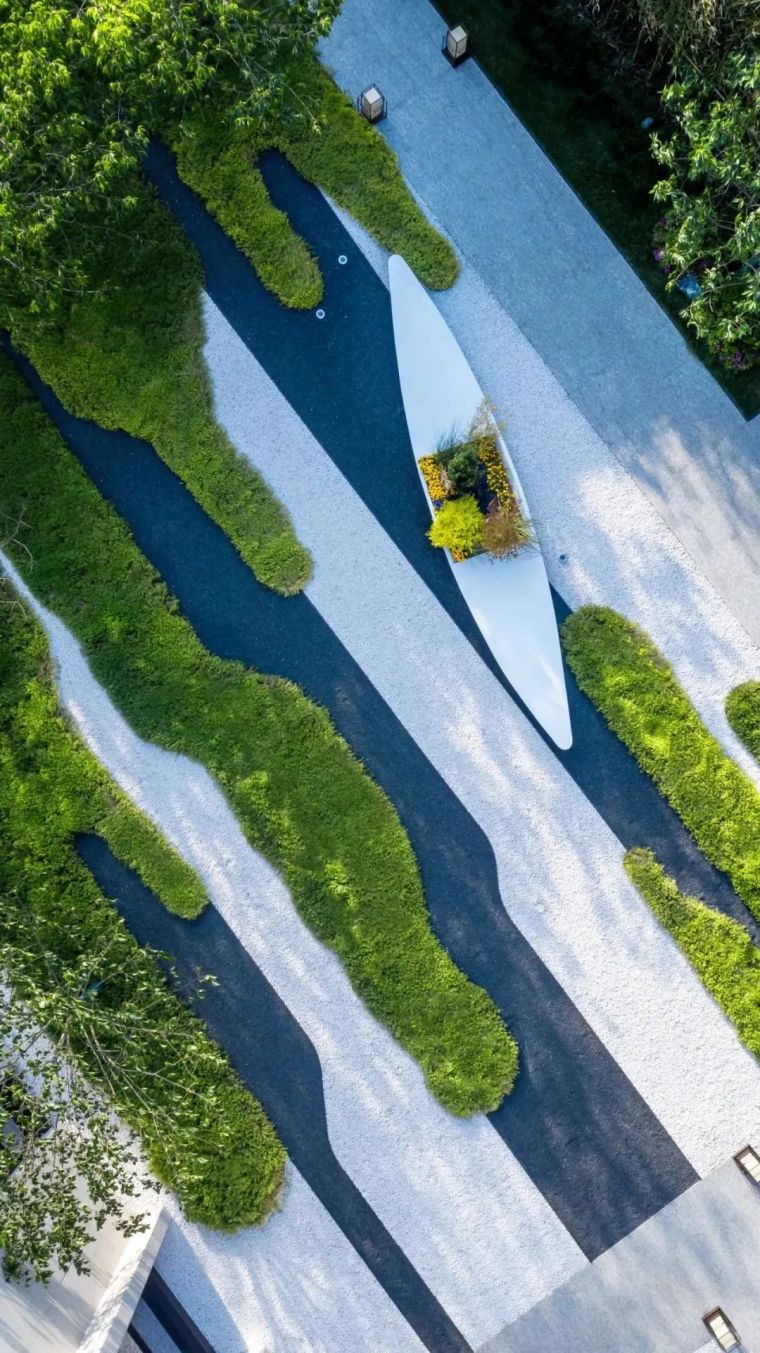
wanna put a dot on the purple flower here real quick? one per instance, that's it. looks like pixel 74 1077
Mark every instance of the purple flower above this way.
pixel 657 254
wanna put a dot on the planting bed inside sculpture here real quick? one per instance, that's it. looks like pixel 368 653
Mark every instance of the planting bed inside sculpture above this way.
pixel 475 507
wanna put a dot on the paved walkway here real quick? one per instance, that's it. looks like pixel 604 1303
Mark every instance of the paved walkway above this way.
pixel 649 1293
pixel 621 360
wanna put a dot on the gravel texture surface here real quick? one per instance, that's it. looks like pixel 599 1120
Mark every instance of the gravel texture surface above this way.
pixel 293 1286
pixel 618 552
pixel 444 1188
pixel 559 865
pixel 513 217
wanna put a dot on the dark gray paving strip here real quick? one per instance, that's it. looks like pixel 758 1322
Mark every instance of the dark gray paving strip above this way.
pixel 173 1317
pixel 278 1062
pixel 575 1122
pixel 340 376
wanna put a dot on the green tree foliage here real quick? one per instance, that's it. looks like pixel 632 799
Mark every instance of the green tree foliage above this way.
pixel 82 88
pixel 711 201
pixel 65 1167
pixel 658 31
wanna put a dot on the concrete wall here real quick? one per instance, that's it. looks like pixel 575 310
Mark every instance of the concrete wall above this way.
pixel 87 1313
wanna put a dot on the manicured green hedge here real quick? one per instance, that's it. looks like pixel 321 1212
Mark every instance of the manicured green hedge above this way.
pixel 718 948
pixel 203 1133
pixel 220 167
pixel 743 714
pixel 302 797
pixel 619 668
pixel 134 360
pixel 329 144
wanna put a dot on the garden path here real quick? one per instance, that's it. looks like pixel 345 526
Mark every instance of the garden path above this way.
pixel 350 1106
pixel 572 1102
pixel 508 211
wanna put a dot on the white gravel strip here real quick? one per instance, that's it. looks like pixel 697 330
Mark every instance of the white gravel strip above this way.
pixel 450 1192
pixel 295 1285
pixel 559 865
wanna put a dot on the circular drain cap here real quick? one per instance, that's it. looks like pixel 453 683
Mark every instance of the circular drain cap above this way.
pixel 320 314
pixel 342 258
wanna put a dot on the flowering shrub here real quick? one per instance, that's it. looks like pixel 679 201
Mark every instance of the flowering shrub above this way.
pixel 458 527
pixel 432 473
pixel 496 475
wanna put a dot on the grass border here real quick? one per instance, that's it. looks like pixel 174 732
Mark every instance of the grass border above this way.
pixel 718 948
pixel 210 1141
pixel 618 667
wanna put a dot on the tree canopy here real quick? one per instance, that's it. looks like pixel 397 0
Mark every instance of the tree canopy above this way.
pixel 710 228
pixel 83 86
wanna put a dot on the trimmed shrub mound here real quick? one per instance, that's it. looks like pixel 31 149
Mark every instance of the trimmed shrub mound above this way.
pixel 622 672
pixel 718 948
pixel 743 714
pixel 133 359
pixel 203 1133
pixel 327 141
pixel 303 799
pixel 219 164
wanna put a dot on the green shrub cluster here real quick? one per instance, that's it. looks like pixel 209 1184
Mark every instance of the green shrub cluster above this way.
pixel 330 145
pixel 743 714
pixel 303 799
pixel 458 526
pixel 131 357
pixel 203 1133
pixel 718 948
pixel 219 165
pixel 621 671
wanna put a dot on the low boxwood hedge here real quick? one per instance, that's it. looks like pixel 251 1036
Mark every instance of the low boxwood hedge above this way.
pixel 718 948
pixel 203 1133
pixel 303 799
pixel 622 672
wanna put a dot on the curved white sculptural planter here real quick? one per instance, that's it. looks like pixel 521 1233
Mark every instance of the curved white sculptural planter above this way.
pixel 509 598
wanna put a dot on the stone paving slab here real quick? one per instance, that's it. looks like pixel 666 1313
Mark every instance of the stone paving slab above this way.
pixel 617 354
pixel 648 1293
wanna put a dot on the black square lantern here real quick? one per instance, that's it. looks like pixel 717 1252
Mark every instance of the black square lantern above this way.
pixel 722 1330
pixel 456 45
pixel 372 104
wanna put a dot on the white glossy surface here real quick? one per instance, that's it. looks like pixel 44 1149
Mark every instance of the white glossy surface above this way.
pixel 509 599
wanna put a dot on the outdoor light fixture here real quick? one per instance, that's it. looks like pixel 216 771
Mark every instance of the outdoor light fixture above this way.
pixel 722 1330
pixel 372 104
pixel 456 45
pixel 748 1160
